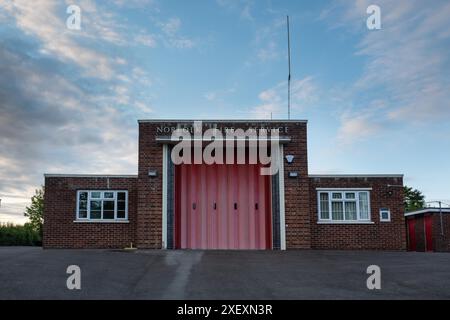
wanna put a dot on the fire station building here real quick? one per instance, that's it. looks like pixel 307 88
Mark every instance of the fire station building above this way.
pixel 224 206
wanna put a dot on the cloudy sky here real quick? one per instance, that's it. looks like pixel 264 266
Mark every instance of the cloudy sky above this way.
pixel 377 101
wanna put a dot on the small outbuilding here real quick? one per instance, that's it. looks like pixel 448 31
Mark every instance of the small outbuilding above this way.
pixel 428 229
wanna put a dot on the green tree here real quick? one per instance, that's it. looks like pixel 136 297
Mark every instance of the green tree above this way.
pixel 35 212
pixel 414 199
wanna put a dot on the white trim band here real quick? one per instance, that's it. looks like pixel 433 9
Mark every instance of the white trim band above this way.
pixel 52 175
pixel 282 199
pixel 426 210
pixel 164 195
pixel 281 139
pixel 355 175
pixel 101 221
pixel 219 121
pixel 345 222
pixel 343 189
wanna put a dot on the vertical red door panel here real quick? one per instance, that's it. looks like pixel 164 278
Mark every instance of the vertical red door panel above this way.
pixel 412 234
pixel 242 206
pixel 203 206
pixel 251 208
pixel 230 198
pixel 429 232
pixel 222 207
pixel 211 199
pixel 221 211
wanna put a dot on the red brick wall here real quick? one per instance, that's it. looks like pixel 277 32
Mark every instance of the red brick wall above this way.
pixel 297 202
pixel 60 230
pixel 441 241
pixel 377 236
pixel 149 206
pixel 420 233
pixel 149 229
pixel 145 202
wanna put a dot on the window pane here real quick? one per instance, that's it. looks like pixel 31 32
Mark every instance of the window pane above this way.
pixel 109 195
pixel 364 205
pixel 350 195
pixel 324 209
pixel 337 211
pixel 83 195
pixel 121 214
pixel 108 205
pixel 108 209
pixel 82 214
pixel 108 214
pixel 350 210
pixel 96 214
pixel 96 205
pixel 82 205
pixel 96 195
pixel 120 205
pixel 337 195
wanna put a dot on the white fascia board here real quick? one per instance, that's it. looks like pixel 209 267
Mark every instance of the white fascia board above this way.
pixel 356 176
pixel 343 189
pixel 430 210
pixel 51 175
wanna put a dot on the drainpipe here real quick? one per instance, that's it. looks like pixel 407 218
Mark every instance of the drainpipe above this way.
pixel 440 217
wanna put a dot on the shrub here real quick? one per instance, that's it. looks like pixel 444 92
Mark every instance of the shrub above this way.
pixel 18 235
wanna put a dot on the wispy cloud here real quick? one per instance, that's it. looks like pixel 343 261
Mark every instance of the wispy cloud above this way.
pixel 171 26
pixel 41 20
pixel 60 127
pixel 405 60
pixel 269 52
pixel 211 96
pixel 65 105
pixel 143 107
pixel 171 36
pixel 146 40
pixel 246 12
pixel 242 7
pixel 267 40
pixel 136 3
pixel 356 128
pixel 219 95
pixel 273 101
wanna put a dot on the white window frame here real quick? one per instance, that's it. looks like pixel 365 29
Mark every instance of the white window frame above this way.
pixel 102 198
pixel 388 212
pixel 343 199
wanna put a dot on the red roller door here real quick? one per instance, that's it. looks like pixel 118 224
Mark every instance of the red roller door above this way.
pixel 222 207
pixel 412 234
pixel 428 220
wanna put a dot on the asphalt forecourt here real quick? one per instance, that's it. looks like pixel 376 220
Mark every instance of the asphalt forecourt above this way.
pixel 34 273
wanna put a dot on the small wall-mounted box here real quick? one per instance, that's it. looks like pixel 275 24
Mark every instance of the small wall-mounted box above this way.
pixel 293 174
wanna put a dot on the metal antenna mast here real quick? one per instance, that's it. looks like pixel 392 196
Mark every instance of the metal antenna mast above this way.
pixel 289 65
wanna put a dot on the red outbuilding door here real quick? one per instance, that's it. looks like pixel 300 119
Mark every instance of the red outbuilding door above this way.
pixel 412 234
pixel 428 220
pixel 222 207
